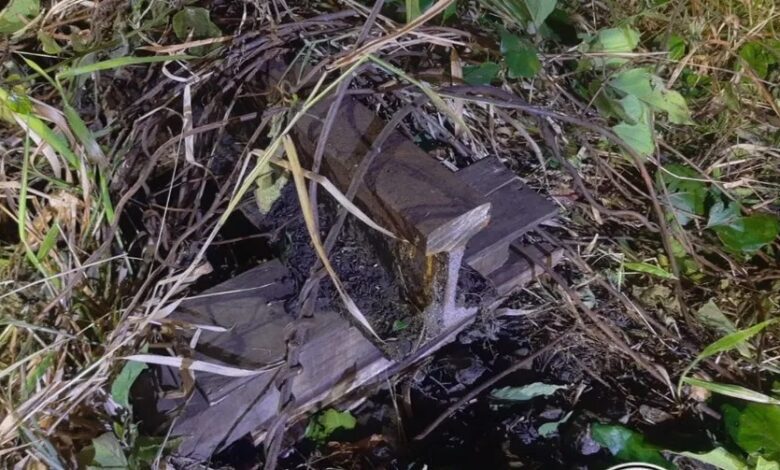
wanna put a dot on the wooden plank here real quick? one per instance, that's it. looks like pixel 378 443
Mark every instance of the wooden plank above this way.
pixel 404 189
pixel 335 358
pixel 516 208
pixel 518 270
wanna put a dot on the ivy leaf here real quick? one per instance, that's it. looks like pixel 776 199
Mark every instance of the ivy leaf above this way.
pixel 120 388
pixel 627 445
pixel 108 453
pixel 720 458
pixel 482 74
pixel 650 89
pixel 322 425
pixel 520 57
pixel 755 428
pixel 540 10
pixel 17 14
pixel 686 194
pixel 749 234
pixel 526 392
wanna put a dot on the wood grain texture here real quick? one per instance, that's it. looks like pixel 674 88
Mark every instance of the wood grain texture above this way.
pixel 336 358
pixel 516 209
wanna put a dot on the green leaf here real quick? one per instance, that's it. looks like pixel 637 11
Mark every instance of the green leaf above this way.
pixel 547 429
pixel 120 388
pixel 611 41
pixel 17 14
pixel 269 188
pixel 676 47
pixel 482 74
pixel 737 339
pixel 413 10
pixel 108 453
pixel 755 428
pixel 757 57
pixel 638 136
pixel 711 316
pixel 733 340
pixel 720 458
pixel 49 240
pixel 540 10
pixel 195 21
pixel 650 269
pixel 526 392
pixel 520 57
pixel 118 63
pixel 324 424
pixel 749 234
pixel 650 89
pixel 734 391
pixel 723 215
pixel 686 194
pixel 400 325
pixel 627 445
pixel 763 464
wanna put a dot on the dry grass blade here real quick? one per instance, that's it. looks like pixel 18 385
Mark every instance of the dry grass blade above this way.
pixel 378 43
pixel 339 197
pixel 200 366
pixel 308 217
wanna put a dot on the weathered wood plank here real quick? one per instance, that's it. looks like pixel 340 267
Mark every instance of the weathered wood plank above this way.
pixel 404 189
pixel 335 358
pixel 518 270
pixel 516 208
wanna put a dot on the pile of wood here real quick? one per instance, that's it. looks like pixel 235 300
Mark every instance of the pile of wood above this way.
pixel 474 220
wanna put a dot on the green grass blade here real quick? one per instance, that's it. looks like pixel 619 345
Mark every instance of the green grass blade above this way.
pixel 118 63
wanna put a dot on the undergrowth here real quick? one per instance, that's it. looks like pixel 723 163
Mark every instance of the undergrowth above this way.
pixel 667 113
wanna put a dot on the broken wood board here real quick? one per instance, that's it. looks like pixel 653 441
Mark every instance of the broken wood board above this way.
pixel 335 359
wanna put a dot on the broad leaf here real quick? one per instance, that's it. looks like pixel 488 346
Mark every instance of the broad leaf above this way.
pixel 611 41
pixel 627 445
pixel 120 388
pixel 526 392
pixel 686 194
pixel 108 453
pixel 638 136
pixel 720 458
pixel 17 14
pixel 749 234
pixel 540 10
pixel 723 215
pixel 521 59
pixel 322 425
pixel 482 74
pixel 755 428
pixel 650 89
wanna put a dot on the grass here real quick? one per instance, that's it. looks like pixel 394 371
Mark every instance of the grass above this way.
pixel 79 290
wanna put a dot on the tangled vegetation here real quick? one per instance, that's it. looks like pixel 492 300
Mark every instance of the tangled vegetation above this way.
pixel 655 126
